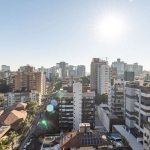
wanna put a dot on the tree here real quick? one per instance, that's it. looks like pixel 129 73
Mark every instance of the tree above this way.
pixel 12 137
pixel 101 99
pixel 124 140
pixel 85 80
pixel 1 99
pixel 32 106
pixel 4 144
pixel 24 124
pixel 58 85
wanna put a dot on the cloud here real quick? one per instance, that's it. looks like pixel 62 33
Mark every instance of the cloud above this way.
pixel 131 1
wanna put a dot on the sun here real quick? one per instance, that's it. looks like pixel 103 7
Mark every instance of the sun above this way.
pixel 112 27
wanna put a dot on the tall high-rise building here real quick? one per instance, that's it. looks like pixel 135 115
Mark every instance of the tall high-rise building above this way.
pixel 120 65
pixel 103 79
pixel 116 98
pixel 71 71
pixel 80 71
pixel 137 106
pixel 137 69
pixel 5 68
pixel 62 66
pixel 76 106
pixel 95 64
pixel 31 80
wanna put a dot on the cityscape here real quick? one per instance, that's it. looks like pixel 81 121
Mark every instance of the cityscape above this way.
pixel 58 91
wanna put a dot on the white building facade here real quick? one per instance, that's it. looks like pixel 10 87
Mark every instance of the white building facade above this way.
pixel 16 97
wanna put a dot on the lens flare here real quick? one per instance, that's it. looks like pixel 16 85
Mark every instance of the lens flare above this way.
pixel 54 102
pixel 53 111
pixel 50 108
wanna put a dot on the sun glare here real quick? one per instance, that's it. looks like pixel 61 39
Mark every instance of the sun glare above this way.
pixel 112 27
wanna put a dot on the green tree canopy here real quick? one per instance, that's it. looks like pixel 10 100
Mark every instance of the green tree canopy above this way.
pixel 32 106
pixel 85 80
pixel 101 99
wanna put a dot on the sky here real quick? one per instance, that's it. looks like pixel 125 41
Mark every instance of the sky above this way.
pixel 45 32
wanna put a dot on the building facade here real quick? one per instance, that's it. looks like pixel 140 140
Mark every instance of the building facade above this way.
pixel 137 106
pixel 5 68
pixel 62 66
pixel 146 136
pixel 31 80
pixel 23 96
pixel 80 71
pixel 137 69
pixel 116 99
pixel 95 64
pixel 103 79
pixel 76 107
pixel 120 65
pixel 129 76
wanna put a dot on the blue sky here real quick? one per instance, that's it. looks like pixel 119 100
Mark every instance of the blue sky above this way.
pixel 44 32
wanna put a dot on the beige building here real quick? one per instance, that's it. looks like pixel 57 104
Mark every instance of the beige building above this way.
pixel 30 79
pixel 95 64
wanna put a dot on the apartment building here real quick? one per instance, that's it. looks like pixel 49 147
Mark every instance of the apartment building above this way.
pixel 116 98
pixel 80 71
pixel 137 106
pixel 146 136
pixel 137 69
pixel 95 65
pixel 103 79
pixel 62 67
pixel 30 79
pixel 22 95
pixel 120 65
pixel 5 68
pixel 76 106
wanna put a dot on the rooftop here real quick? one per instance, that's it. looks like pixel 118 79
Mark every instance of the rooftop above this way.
pixel 131 139
pixel 81 139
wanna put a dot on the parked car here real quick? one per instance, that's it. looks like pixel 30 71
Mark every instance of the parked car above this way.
pixel 28 143
pixel 25 147
pixel 120 143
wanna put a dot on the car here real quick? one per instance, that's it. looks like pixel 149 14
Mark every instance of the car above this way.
pixel 28 143
pixel 25 146
pixel 120 143
pixel 117 142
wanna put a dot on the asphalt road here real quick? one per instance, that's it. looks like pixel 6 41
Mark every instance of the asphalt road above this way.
pixel 34 125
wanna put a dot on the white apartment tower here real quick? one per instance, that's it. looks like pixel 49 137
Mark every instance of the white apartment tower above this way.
pixel 76 106
pixel 77 101
pixel 103 79
pixel 137 106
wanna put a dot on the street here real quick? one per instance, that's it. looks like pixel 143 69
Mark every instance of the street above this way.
pixel 34 125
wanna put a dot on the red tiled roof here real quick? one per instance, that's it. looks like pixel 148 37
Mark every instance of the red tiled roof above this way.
pixel 19 106
pixel 11 117
pixel 76 138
